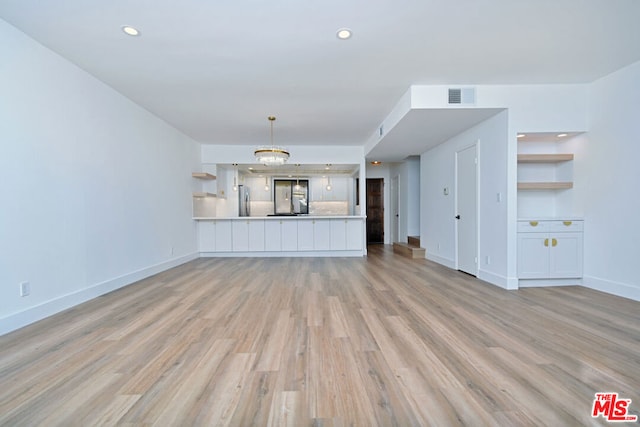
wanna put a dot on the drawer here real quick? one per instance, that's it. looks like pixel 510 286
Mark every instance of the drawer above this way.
pixel 550 226
pixel 533 226
pixel 565 226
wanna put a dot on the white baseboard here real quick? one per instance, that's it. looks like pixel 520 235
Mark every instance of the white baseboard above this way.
pixel 33 314
pixel 625 290
pixel 279 254
pixel 441 260
pixel 545 283
pixel 509 283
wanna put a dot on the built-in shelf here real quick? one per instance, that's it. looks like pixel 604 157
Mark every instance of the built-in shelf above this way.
pixel 544 185
pixel 203 194
pixel 203 175
pixel 544 158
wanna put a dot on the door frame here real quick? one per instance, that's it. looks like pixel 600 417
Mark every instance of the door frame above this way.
pixel 475 144
pixel 382 187
pixel 394 197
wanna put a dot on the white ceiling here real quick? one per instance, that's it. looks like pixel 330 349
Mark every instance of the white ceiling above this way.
pixel 216 70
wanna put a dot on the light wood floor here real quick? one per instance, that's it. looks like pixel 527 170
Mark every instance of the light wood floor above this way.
pixel 382 340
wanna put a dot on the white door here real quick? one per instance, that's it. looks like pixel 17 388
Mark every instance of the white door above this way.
pixel 467 210
pixel 395 209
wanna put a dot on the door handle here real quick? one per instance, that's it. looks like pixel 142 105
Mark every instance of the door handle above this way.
pixel 457 216
pixel 554 242
pixel 546 242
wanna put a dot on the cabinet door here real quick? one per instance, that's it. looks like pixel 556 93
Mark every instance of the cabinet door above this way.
pixel 256 235
pixel 206 236
pixel 566 255
pixel 354 234
pixel 240 233
pixel 289 235
pixel 305 235
pixel 339 189
pixel 321 234
pixel 316 189
pixel 223 236
pixel 338 234
pixel 533 255
pixel 272 236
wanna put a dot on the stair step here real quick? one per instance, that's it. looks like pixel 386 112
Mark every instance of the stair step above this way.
pixel 408 250
pixel 414 240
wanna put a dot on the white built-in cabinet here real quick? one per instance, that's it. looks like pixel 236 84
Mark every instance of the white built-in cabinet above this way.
pixel 550 249
pixel 281 235
pixel 215 236
pixel 318 189
pixel 257 190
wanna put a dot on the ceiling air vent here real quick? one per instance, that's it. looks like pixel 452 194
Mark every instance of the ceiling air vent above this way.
pixel 462 96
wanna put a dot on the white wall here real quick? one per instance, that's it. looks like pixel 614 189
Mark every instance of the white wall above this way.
pixel 607 176
pixel 437 227
pixel 408 173
pixel 413 196
pixel 94 190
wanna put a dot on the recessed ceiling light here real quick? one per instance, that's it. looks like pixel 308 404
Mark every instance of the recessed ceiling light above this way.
pixel 521 135
pixel 376 163
pixel 131 31
pixel 562 135
pixel 344 33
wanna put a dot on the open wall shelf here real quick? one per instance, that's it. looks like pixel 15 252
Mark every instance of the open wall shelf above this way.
pixel 203 175
pixel 544 158
pixel 544 185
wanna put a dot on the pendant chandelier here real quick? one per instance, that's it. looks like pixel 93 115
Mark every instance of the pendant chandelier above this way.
pixel 271 155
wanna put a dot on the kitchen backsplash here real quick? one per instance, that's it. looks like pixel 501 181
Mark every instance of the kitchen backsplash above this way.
pixel 329 208
pixel 260 208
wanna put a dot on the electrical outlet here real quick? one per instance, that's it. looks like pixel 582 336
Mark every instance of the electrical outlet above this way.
pixel 25 289
pixel 487 260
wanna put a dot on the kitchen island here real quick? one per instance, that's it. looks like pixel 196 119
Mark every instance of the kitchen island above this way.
pixel 278 236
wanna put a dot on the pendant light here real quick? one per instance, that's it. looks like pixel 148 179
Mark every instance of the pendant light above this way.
pixel 270 155
pixel 235 177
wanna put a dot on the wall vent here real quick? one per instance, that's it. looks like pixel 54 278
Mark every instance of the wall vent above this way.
pixel 462 96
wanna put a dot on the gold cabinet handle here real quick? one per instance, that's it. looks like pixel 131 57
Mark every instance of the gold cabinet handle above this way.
pixel 567 223
pixel 546 242
pixel 554 242
pixel 533 223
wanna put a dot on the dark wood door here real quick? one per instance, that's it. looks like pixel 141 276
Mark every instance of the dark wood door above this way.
pixel 375 210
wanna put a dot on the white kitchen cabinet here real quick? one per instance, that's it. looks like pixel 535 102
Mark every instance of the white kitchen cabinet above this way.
pixel 338 234
pixel 256 186
pixel 346 234
pixel 318 189
pixel 248 235
pixel 289 235
pixel 338 190
pixel 550 249
pixel 206 236
pixel 222 236
pixel 354 234
pixel 314 235
pixel 273 235
pixel 240 235
pixel 325 236
pixel 256 236
pixel 305 234
pixel 322 234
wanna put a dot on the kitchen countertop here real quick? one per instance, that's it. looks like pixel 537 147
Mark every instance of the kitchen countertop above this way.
pixel 283 217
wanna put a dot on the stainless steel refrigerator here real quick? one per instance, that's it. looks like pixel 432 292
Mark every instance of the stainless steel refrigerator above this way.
pixel 244 197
